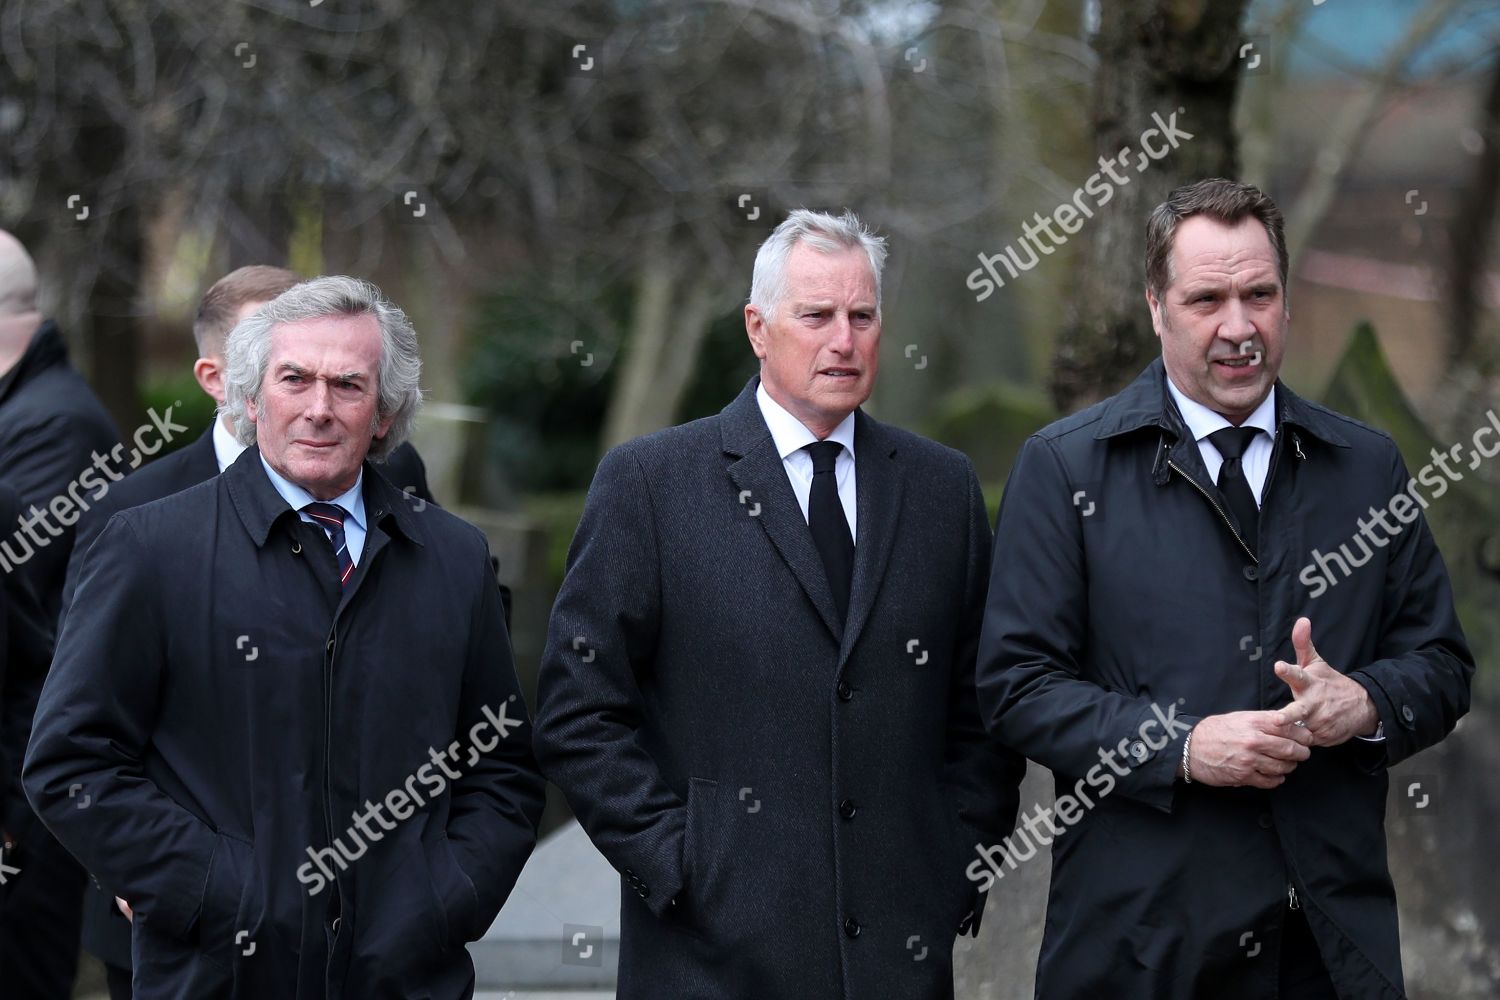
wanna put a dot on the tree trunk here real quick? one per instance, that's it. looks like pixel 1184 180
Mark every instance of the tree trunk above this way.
pixel 115 302
pixel 666 337
pixel 1473 227
pixel 1158 57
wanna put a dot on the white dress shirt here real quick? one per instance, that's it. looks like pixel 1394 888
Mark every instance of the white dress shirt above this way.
pixel 352 500
pixel 227 447
pixel 1201 422
pixel 792 438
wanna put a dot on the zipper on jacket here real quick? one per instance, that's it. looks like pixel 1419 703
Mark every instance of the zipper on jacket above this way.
pixel 1228 523
pixel 1291 897
pixel 329 648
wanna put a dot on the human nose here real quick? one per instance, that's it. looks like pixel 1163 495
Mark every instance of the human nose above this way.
pixel 1237 328
pixel 320 402
pixel 841 339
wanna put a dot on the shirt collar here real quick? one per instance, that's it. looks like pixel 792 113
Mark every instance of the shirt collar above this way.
pixel 1202 421
pixel 790 434
pixel 227 447
pixel 352 499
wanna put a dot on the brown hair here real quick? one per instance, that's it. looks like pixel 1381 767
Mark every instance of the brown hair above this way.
pixel 1222 200
pixel 223 301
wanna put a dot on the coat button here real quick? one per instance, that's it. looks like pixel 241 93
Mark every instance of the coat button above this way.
pixel 644 890
pixel 846 693
pixel 851 927
pixel 629 873
pixel 847 809
pixel 1408 714
pixel 1251 573
pixel 1138 751
pixel 336 924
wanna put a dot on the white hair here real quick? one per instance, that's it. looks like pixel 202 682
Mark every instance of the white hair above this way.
pixel 823 232
pixel 247 353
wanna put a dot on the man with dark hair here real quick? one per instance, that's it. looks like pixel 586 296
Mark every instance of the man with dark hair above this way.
pixel 258 669
pixel 55 441
pixel 106 932
pixel 758 692
pixel 1151 623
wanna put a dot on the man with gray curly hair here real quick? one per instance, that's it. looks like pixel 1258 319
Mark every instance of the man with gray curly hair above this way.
pixel 283 722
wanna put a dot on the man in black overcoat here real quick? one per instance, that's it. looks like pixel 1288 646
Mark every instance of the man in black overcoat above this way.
pixel 757 691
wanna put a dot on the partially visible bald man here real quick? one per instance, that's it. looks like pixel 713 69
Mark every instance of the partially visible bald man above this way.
pixel 53 430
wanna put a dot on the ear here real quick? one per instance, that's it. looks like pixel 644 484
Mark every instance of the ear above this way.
pixel 383 426
pixel 1154 304
pixel 755 329
pixel 210 375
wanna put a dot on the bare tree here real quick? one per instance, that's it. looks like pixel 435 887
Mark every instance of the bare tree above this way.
pixel 1472 234
pixel 1157 56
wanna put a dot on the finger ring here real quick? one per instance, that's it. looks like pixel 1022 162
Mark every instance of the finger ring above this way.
pixel 1300 724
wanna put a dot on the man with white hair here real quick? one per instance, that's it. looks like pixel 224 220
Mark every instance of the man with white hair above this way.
pixel 53 430
pixel 758 686
pixel 286 697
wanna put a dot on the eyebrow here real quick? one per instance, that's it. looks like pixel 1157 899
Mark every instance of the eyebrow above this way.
pixel 826 305
pixel 296 369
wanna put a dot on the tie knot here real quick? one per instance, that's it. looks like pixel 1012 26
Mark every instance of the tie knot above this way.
pixel 1232 441
pixel 824 455
pixel 329 515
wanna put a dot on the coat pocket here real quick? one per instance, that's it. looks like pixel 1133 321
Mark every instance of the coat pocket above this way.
pixel 221 914
pixel 701 878
pixel 701 835
pixel 456 904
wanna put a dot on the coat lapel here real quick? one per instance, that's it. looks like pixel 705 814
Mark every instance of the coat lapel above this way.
pixel 760 477
pixel 878 486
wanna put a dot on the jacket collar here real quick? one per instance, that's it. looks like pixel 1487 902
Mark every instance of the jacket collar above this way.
pixel 201 455
pixel 1147 403
pixel 47 348
pixel 259 505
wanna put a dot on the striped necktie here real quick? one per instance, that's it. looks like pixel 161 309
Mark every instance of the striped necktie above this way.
pixel 331 517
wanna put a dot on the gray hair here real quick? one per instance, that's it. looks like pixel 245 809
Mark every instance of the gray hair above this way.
pixel 247 353
pixel 824 233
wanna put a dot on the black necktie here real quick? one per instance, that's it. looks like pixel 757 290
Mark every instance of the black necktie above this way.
pixel 1232 442
pixel 830 528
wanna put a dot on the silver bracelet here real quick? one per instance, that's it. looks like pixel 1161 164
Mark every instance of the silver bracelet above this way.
pixel 1187 745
